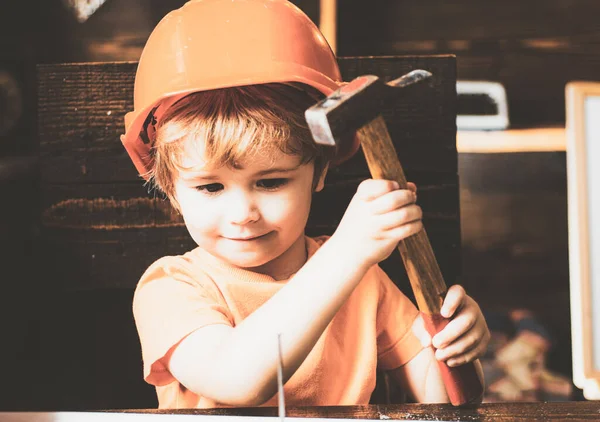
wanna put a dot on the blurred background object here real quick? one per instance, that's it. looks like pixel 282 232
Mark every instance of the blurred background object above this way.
pixel 481 105
pixel 515 365
pixel 83 9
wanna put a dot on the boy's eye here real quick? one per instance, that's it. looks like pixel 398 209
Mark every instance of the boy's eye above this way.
pixel 271 183
pixel 210 188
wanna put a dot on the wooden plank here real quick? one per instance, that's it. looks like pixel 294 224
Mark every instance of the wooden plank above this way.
pixel 545 139
pixel 436 192
pixel 81 107
pixel 487 412
pixel 98 234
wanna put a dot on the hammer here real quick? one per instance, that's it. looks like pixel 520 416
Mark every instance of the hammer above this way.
pixel 356 107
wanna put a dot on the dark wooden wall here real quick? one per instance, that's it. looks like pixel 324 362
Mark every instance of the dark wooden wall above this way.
pixel 533 47
pixel 514 222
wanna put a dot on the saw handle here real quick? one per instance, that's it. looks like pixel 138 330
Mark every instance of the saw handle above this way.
pixel 462 383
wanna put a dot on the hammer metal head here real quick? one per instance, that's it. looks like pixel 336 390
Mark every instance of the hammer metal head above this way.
pixel 354 105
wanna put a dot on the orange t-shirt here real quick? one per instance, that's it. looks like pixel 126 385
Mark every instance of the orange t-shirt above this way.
pixel 180 294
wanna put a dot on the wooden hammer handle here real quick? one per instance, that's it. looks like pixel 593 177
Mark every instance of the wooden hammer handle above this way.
pixel 462 383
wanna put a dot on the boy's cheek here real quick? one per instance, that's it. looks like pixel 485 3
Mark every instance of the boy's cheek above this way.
pixel 184 195
pixel 199 219
pixel 201 222
pixel 191 205
pixel 286 208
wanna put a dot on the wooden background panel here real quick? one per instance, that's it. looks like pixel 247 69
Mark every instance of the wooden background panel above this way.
pixel 436 195
pixel 81 108
pixel 88 182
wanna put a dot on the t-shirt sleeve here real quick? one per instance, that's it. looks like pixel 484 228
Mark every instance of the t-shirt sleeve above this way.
pixel 396 342
pixel 168 305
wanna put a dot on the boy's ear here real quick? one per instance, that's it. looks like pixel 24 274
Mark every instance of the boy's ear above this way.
pixel 321 182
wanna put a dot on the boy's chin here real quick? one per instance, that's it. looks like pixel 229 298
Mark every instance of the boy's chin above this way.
pixel 248 262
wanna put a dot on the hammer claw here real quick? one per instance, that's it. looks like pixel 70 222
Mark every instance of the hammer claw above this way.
pixel 410 78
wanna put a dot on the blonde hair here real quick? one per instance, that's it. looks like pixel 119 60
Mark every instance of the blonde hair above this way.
pixel 230 125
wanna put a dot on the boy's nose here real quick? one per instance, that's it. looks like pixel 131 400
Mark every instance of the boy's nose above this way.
pixel 242 210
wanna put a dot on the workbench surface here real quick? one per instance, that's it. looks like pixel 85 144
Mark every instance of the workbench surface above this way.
pixel 569 411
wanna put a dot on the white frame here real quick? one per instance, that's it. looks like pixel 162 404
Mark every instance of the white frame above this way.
pixel 585 333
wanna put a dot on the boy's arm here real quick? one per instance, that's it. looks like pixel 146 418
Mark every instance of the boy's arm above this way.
pixel 420 378
pixel 237 366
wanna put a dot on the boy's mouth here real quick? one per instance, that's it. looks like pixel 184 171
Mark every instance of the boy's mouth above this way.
pixel 248 238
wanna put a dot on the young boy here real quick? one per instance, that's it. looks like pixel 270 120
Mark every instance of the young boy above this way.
pixel 218 126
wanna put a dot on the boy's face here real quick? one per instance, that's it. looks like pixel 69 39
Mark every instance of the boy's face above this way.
pixel 252 217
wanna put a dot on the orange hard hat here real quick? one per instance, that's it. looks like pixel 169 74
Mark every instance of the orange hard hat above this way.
pixel 211 44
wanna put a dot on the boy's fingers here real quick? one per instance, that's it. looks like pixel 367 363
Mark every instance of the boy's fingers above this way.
pixel 401 216
pixel 411 186
pixel 469 356
pixel 370 189
pixel 454 330
pixel 391 201
pixel 404 231
pixel 467 344
pixel 453 300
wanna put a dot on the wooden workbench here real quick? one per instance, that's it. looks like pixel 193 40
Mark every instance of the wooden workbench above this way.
pixel 486 412
pixel 496 412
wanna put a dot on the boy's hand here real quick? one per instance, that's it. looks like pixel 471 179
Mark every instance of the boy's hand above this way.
pixel 379 216
pixel 466 336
